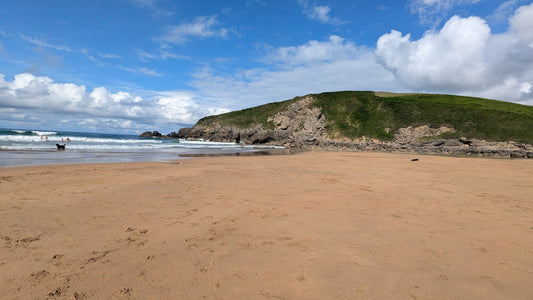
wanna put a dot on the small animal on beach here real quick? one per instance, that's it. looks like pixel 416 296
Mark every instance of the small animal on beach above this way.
pixel 60 147
pixel 415 159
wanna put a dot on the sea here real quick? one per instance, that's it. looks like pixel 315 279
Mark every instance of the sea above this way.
pixel 19 147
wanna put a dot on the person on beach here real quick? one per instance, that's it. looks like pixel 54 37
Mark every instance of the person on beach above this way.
pixel 67 140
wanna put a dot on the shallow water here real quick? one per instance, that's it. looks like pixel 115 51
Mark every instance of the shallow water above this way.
pixel 37 147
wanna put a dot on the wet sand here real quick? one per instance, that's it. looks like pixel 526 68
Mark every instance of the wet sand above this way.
pixel 308 226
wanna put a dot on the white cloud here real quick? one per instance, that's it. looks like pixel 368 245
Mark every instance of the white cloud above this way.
pixel 450 57
pixel 89 56
pixel 145 56
pixel 314 67
pixel 201 27
pixel 152 6
pixel 141 70
pixel 319 13
pixel 102 55
pixel 179 107
pixel 162 54
pixel 42 43
pixel 522 25
pixel 432 11
pixel 314 52
pixel 503 12
pixel 42 99
pixel 465 57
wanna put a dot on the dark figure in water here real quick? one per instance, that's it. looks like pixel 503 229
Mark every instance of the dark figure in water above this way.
pixel 60 147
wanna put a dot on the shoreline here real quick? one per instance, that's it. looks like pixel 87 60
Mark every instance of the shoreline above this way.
pixel 29 158
pixel 315 225
pixel 16 158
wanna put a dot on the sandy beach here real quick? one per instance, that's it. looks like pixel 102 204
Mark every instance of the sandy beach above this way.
pixel 323 225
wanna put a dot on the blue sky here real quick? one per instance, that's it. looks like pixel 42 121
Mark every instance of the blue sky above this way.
pixel 127 66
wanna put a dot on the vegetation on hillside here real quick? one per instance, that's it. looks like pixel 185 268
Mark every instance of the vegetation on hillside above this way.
pixel 356 114
pixel 379 115
pixel 249 117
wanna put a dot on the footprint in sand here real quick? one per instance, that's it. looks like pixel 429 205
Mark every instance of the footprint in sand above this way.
pixel 79 295
pixel 136 232
pixel 124 292
pixel 40 275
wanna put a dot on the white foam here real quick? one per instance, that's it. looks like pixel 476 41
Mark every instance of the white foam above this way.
pixel 42 132
pixel 111 144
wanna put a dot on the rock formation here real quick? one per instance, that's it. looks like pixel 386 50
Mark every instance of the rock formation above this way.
pixel 151 134
pixel 303 125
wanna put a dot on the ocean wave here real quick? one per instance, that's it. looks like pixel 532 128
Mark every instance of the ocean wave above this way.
pixel 43 133
pixel 26 132
pixel 40 140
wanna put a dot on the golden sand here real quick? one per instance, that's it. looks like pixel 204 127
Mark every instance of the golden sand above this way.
pixel 308 226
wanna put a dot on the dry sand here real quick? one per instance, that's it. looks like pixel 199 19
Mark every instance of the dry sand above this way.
pixel 307 226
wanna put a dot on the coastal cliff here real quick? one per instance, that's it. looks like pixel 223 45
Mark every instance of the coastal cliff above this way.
pixel 371 121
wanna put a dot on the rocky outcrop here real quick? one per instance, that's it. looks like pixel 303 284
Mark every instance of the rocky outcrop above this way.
pixel 426 140
pixel 413 134
pixel 303 125
pixel 151 134
pixel 299 125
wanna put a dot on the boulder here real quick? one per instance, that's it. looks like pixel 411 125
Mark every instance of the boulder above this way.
pixel 151 134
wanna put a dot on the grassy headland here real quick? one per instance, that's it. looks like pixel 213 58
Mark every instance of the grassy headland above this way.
pixel 379 115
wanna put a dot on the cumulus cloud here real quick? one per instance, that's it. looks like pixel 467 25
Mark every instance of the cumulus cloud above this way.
pixel 200 27
pixel 465 57
pixel 447 58
pixel 314 67
pixel 181 108
pixel 38 97
pixel 522 25
pixel 336 48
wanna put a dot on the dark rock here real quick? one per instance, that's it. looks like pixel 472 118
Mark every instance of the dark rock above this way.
pixel 517 155
pixel 184 132
pixel 465 141
pixel 151 134
pixel 173 135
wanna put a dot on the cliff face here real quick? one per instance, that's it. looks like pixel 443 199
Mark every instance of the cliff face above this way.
pixel 302 124
pixel 297 126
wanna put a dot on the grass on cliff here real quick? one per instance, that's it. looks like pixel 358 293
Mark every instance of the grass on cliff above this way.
pixel 249 117
pixel 356 114
pixel 380 115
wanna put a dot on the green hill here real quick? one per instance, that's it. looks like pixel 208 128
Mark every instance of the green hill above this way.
pixel 379 115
